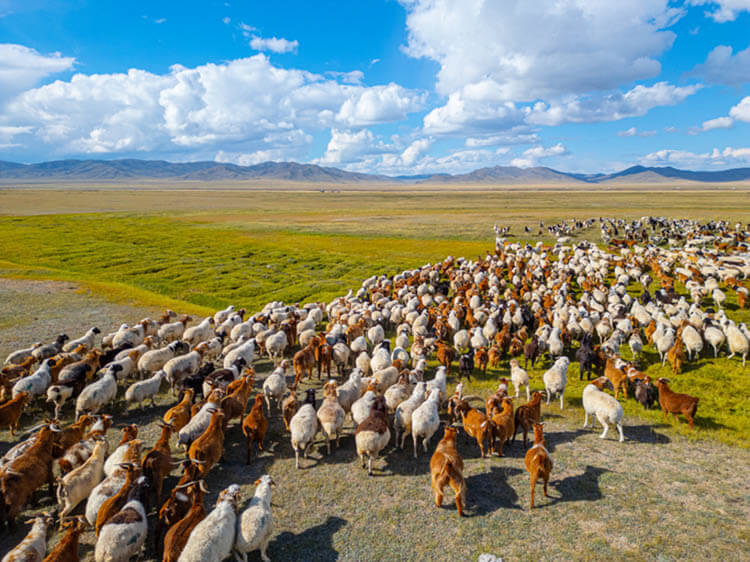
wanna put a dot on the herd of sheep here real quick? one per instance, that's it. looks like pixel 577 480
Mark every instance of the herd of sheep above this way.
pixel 660 282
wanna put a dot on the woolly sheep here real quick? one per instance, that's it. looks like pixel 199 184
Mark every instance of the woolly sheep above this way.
pixel 556 378
pixel 605 407
pixel 255 524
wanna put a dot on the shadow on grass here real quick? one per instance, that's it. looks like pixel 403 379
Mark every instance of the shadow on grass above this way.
pixel 644 433
pixel 315 543
pixel 558 437
pixel 582 487
pixel 489 491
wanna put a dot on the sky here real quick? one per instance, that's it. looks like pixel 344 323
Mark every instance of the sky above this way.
pixel 380 86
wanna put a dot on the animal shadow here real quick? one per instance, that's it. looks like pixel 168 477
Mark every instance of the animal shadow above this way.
pixel 489 491
pixel 581 487
pixel 316 542
pixel 644 433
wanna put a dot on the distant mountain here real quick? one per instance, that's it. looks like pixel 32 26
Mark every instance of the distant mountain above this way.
pixel 131 169
pixel 506 175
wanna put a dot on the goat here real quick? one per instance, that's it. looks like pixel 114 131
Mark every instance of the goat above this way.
pixel 10 411
pixel 34 545
pixel 122 537
pixel 477 425
pixel 157 463
pixel 178 534
pixel 372 435
pixel 446 468
pixel 255 425
pixel 675 403
pixel 209 447
pixel 538 462
pixel 503 426
pixel 526 415
pixel 67 549
pixel 77 484
pixel 179 415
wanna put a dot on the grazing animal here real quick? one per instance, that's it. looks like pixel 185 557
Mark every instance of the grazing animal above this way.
pixel 527 415
pixel 214 537
pixel 254 425
pixel 331 415
pixel 538 462
pixel 503 426
pixel 372 435
pixel 122 537
pixel 304 426
pixel 178 534
pixel 446 468
pixel 605 407
pixel 34 545
pixel 477 425
pixel 674 403
pixel 255 524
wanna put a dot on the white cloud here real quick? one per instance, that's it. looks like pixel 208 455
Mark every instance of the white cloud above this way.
pixel 246 29
pixel 716 159
pixel 273 44
pixel 242 107
pixel 160 20
pixel 517 135
pixel 353 77
pixel 718 123
pixel 471 110
pixel 531 156
pixel 724 67
pixel 632 132
pixel 346 147
pixel 633 103
pixel 22 67
pixel 741 111
pixel 541 49
pixel 379 104
pixel 227 20
pixel 723 10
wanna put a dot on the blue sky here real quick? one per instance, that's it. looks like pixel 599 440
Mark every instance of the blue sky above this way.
pixel 385 86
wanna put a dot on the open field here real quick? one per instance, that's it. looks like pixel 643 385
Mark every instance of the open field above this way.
pixel 667 492
pixel 658 495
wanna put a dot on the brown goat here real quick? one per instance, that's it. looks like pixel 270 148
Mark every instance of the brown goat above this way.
pixel 527 415
pixel 67 549
pixel 476 424
pixel 446 467
pixel 178 534
pixel 10 412
pixel 290 405
pixel 209 447
pixel 23 475
pixel 614 370
pixel 114 504
pixel 157 463
pixel 177 504
pixel 79 453
pixel 235 404
pixel 674 403
pixel 304 361
pixel 178 416
pixel 676 356
pixel 71 435
pixel 538 462
pixel 503 425
pixel 446 355
pixel 254 425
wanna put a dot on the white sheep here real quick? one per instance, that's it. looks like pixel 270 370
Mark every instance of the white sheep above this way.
pixel 78 484
pixel 255 525
pixel 155 359
pixel 37 382
pixel 144 390
pixel 555 379
pixel 402 417
pixel 385 378
pixel 362 407
pixel 99 393
pixel 461 340
pixel 88 339
pixel 341 354
pixel 122 537
pixel 425 420
pixel 200 421
pixel 376 335
pixel 605 407
pixel 181 366
pixel 303 427
pixel 275 385
pixel 715 337
pixel 126 366
pixel 381 359
pixel 214 537
pixel 363 363
pixel 519 377
pixel 276 344
pixel 439 381
pixel 693 341
pixel 736 340
pixel 246 351
pixel 58 394
pixel 200 332
pixel 222 315
pixel 34 545
pixel 20 355
pixel 350 391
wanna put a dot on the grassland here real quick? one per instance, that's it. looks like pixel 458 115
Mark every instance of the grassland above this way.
pixel 666 493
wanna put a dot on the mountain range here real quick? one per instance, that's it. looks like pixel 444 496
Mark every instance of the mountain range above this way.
pixel 131 169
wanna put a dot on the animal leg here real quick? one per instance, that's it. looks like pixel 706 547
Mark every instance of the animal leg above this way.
pixel 414 437
pixel 619 428
pixel 585 418
pixel 606 427
pixel 533 485
pixel 296 456
pixel 369 466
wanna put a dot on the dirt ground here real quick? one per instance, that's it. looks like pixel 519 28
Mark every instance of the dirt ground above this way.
pixel 657 495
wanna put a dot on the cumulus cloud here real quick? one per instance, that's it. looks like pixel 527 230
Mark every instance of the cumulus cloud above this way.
pixel 248 104
pixel 632 132
pixel 718 123
pixel 22 67
pixel 715 159
pixel 273 44
pixel 540 49
pixel 346 147
pixel 531 157
pixel 723 10
pixel 471 110
pixel 633 103
pixel 722 66
pixel 741 111
pixel 517 135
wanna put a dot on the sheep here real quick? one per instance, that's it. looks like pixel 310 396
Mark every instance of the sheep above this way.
pixel 36 383
pixel 34 545
pixel 715 337
pixel 341 353
pixel 736 341
pixel 275 385
pixel 19 356
pixel 330 414
pixel 116 502
pixel 144 390
pixel 397 393
pixel 245 351
pixel 198 333
pixel 362 407
pixel 88 339
pixel 99 393
pixel 77 454
pixel 675 403
pixel 606 408
pixel 213 538
pixel 255 525
pixel 372 435
pixel 77 484
pixel 446 468
pixel 692 340
pixel 556 378
pixel 181 366
pixel 519 377
pixel 276 344
pixel 255 425
pixel 289 406
pixel 155 359
pixel 51 349
pixel 438 381
pixel 122 537
pixel 425 420
pixel 200 421
pixel 403 416
pixel 10 411
pixel 113 483
pixel 172 331
pixel 538 462
pixel 123 450
pixel 349 392
pixel 304 426
pixel 222 315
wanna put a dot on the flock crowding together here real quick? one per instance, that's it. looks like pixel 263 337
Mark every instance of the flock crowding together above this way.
pixel 520 303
